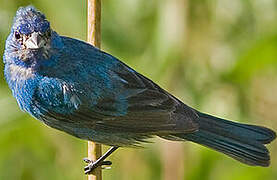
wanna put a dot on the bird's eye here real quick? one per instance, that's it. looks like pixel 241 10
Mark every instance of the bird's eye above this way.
pixel 17 35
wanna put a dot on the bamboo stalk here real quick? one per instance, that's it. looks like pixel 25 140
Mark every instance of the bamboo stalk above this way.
pixel 174 31
pixel 94 38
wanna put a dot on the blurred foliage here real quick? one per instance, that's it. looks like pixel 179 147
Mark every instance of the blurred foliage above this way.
pixel 218 56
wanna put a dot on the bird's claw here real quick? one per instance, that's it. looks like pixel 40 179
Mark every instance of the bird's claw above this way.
pixel 93 165
pixel 87 160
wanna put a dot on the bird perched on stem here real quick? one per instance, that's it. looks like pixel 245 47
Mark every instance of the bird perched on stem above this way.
pixel 76 88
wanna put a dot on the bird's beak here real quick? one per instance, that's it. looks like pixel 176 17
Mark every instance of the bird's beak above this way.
pixel 35 41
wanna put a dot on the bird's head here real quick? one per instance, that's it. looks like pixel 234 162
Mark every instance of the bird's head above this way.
pixel 31 36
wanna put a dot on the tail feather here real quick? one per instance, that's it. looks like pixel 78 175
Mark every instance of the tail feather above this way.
pixel 242 142
pixel 229 128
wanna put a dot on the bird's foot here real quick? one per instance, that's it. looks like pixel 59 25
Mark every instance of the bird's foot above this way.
pixel 93 165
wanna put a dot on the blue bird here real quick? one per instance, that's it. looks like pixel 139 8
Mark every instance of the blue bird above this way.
pixel 74 87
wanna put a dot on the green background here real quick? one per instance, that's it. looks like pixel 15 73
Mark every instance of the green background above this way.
pixel 218 56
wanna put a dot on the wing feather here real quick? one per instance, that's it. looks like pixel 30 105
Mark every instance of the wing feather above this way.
pixel 126 102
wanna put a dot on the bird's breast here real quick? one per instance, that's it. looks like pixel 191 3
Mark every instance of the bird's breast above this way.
pixel 23 83
pixel 19 73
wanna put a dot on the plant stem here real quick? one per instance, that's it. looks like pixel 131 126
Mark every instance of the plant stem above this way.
pixel 94 38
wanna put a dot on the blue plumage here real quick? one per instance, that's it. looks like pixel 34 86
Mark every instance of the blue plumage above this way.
pixel 74 87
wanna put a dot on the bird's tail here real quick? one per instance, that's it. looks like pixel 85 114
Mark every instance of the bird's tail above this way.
pixel 242 142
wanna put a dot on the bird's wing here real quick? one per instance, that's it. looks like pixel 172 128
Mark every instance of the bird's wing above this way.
pixel 146 107
pixel 115 98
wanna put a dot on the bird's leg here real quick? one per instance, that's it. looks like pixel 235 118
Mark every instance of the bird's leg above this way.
pixel 99 162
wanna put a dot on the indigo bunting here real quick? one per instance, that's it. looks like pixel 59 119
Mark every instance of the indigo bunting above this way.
pixel 74 87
